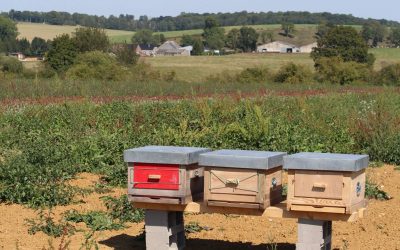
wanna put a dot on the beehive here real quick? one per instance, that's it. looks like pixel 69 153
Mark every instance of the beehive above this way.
pixel 330 183
pixel 242 179
pixel 165 174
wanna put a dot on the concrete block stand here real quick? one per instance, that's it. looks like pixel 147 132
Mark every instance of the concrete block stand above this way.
pixel 164 230
pixel 314 235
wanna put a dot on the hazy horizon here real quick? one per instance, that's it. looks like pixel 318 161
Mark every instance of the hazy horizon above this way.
pixel 387 9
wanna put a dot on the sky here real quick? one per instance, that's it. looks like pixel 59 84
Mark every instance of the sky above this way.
pixel 383 9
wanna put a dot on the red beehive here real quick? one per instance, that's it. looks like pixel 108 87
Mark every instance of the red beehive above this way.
pixel 163 174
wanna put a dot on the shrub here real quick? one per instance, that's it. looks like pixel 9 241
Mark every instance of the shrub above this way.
pixel 121 209
pixel 250 75
pixel 46 224
pixel 126 55
pixel 96 65
pixel 11 65
pixel 335 70
pixel 293 73
pixel 390 74
pixel 372 191
pixel 95 220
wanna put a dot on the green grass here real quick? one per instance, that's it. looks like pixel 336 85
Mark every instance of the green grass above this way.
pixel 196 69
pixel 385 56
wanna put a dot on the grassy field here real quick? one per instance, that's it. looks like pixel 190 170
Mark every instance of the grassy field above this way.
pixel 196 69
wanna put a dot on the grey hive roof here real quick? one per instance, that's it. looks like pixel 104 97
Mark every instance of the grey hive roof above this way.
pixel 242 159
pixel 326 162
pixel 164 155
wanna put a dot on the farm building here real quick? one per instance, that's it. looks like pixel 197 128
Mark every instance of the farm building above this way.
pixel 278 47
pixel 18 55
pixel 146 50
pixel 171 48
pixel 308 48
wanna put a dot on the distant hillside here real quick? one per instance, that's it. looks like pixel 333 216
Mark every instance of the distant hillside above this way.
pixel 303 34
pixel 186 21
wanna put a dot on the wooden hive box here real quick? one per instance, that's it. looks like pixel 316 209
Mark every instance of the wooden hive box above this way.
pixel 165 174
pixel 242 179
pixel 330 183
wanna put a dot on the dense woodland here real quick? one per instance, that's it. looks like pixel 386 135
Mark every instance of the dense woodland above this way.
pixel 186 21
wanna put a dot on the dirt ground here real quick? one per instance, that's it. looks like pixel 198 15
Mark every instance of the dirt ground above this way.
pixel 380 229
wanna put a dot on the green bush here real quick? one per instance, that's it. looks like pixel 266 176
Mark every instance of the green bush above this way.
pixel 390 75
pixel 335 70
pixel 372 191
pixel 95 220
pixel 122 209
pixel 46 224
pixel 96 65
pixel 126 55
pixel 11 65
pixel 250 75
pixel 293 73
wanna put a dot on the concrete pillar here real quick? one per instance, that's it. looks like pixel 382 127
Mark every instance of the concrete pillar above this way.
pixel 314 235
pixel 164 230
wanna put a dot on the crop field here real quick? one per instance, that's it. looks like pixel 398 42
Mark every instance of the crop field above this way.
pixel 46 31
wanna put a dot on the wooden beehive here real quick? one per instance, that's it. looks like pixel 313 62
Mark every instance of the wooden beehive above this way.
pixel 164 174
pixel 329 183
pixel 242 179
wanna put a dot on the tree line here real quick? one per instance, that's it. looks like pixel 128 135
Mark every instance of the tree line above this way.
pixel 186 21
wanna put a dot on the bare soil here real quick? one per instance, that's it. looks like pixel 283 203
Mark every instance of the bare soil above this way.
pixel 378 230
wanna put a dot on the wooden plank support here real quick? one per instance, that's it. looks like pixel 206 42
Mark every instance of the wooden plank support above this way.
pixel 277 211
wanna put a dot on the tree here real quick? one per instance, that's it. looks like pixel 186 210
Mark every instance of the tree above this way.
pixel 198 47
pixel 323 29
pixel 343 42
pixel 24 46
pixel 394 37
pixel 210 23
pixel 233 39
pixel 248 39
pixel 187 40
pixel 267 37
pixel 143 36
pixel 214 36
pixel 8 34
pixel 287 28
pixel 159 39
pixel 91 39
pixel 127 55
pixel 373 32
pixel 62 53
pixel 39 46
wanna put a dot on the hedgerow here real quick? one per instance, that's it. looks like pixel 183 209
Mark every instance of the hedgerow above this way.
pixel 42 147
